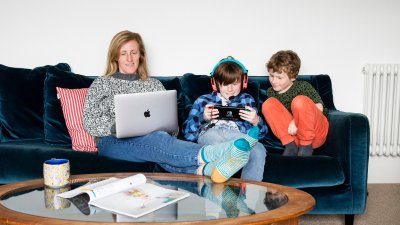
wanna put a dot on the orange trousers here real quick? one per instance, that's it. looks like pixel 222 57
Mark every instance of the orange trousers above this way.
pixel 312 125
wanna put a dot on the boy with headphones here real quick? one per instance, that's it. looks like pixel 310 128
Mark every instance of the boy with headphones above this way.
pixel 228 79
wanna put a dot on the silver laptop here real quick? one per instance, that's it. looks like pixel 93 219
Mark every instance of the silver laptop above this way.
pixel 139 114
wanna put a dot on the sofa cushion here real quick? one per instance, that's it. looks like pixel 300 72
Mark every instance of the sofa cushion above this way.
pixel 55 129
pixel 303 172
pixel 21 102
pixel 23 160
pixel 72 101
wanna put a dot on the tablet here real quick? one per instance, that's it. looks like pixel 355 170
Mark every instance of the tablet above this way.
pixel 228 112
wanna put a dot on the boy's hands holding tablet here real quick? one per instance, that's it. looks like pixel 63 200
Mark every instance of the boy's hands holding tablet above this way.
pixel 228 112
pixel 212 111
pixel 250 115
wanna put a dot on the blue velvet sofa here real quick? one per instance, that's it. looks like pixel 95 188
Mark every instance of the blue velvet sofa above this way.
pixel 32 130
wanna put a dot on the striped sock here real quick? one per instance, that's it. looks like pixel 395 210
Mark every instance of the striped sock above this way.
pixel 206 169
pixel 210 153
pixel 252 136
pixel 232 161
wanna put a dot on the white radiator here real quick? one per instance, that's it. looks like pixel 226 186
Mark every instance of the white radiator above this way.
pixel 382 107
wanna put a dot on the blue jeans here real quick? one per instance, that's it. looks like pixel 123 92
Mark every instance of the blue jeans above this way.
pixel 254 169
pixel 172 154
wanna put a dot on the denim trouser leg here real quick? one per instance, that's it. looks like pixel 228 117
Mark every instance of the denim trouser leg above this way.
pixel 254 169
pixel 172 154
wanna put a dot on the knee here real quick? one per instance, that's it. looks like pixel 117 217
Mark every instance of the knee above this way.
pixel 269 104
pixel 258 152
pixel 212 136
pixel 299 102
pixel 160 133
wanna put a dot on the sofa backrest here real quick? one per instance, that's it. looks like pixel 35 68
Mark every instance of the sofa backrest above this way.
pixel 39 114
pixel 322 83
pixel 21 102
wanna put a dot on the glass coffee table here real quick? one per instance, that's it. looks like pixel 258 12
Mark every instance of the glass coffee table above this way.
pixel 236 201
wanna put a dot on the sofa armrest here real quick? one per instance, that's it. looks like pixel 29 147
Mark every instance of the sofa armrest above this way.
pixel 348 141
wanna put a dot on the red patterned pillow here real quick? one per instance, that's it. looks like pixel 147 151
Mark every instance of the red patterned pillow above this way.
pixel 72 101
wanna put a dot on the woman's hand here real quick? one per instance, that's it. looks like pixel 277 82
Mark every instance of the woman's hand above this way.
pixel 249 115
pixel 292 129
pixel 210 113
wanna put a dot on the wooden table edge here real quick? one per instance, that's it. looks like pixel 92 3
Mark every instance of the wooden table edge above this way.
pixel 299 203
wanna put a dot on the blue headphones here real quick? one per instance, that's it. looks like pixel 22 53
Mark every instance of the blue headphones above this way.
pixel 229 59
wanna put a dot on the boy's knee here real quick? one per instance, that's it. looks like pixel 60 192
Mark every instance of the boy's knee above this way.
pixel 270 103
pixel 300 102
pixel 258 152
pixel 211 137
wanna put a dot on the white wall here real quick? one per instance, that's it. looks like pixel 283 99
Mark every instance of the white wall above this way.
pixel 335 37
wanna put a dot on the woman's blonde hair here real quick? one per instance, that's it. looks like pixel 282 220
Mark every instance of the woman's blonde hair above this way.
pixel 113 53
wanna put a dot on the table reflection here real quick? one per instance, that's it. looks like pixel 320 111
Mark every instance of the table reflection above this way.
pixel 51 201
pixel 207 201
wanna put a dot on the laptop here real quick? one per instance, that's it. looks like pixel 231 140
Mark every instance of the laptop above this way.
pixel 139 114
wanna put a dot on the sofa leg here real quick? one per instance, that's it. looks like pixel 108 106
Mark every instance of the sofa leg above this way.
pixel 349 219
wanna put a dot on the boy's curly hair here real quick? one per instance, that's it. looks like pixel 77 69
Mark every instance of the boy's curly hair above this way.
pixel 285 61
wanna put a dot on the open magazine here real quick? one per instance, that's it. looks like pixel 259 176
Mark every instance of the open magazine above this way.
pixel 131 196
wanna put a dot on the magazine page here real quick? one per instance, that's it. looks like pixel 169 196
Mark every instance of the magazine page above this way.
pixel 165 214
pixel 130 196
pixel 116 186
pixel 139 200
pixel 105 187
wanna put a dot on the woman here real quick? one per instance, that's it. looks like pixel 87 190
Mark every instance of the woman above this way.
pixel 127 72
